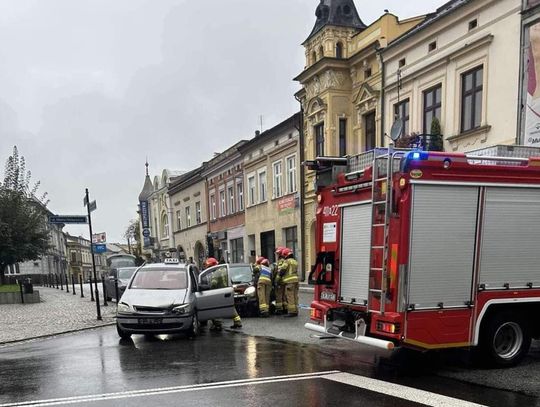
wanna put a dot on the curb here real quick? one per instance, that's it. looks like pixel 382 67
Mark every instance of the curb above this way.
pixel 16 341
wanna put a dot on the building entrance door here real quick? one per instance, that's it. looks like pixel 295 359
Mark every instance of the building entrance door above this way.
pixel 268 245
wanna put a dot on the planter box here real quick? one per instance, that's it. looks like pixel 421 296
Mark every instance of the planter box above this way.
pixel 15 298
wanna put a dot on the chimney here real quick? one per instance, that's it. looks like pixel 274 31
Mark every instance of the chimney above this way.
pixel 257 133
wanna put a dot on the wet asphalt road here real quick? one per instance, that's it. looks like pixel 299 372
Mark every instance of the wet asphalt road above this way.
pixel 95 368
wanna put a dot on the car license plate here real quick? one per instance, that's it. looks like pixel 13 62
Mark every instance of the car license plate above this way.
pixel 150 321
pixel 328 295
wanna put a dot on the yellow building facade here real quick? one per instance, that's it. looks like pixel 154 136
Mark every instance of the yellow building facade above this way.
pixel 340 95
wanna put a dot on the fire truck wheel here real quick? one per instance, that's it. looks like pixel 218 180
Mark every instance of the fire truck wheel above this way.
pixel 504 340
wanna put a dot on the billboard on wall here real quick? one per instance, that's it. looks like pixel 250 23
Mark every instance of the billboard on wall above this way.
pixel 532 78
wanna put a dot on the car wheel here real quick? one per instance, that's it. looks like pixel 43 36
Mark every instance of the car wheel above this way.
pixel 504 341
pixel 121 333
pixel 195 327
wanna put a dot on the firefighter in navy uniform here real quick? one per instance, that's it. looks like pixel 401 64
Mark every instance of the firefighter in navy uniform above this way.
pixel 264 286
pixel 289 276
pixel 220 279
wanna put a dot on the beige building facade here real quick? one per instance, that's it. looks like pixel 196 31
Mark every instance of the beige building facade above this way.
pixel 341 91
pixel 188 198
pixel 461 65
pixel 272 183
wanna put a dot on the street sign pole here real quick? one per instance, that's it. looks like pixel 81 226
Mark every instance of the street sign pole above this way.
pixel 87 200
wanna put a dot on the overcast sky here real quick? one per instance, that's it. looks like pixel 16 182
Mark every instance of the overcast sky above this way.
pixel 90 88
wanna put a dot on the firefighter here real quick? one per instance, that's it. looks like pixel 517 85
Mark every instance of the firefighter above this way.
pixel 289 275
pixel 279 286
pixel 210 262
pixel 264 285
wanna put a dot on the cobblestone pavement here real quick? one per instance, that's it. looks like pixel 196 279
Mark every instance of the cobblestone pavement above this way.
pixel 57 312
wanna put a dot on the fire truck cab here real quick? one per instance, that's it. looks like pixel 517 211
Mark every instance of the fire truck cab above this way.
pixel 429 250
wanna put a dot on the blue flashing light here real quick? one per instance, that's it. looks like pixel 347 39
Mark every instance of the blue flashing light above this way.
pixel 415 156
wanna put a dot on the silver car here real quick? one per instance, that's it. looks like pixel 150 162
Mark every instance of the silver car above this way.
pixel 124 275
pixel 165 298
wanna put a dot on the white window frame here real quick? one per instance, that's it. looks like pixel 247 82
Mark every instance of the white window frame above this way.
pixel 231 201
pixel 262 187
pixel 213 206
pixel 222 203
pixel 188 216
pixel 252 194
pixel 277 177
pixel 165 221
pixel 240 194
pixel 198 212
pixel 291 188
pixel 179 219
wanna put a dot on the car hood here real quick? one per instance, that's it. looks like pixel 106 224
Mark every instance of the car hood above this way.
pixel 123 282
pixel 154 298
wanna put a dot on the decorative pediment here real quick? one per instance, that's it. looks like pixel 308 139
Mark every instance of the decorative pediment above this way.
pixel 365 94
pixel 315 105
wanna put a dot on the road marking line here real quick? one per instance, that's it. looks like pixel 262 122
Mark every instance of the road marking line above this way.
pixel 397 390
pixel 169 390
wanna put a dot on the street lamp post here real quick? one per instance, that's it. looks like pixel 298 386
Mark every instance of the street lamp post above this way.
pixel 88 205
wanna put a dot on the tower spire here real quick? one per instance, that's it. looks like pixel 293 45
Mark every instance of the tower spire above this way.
pixel 146 165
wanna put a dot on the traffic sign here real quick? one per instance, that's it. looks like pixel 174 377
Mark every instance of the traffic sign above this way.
pixel 68 219
pixel 146 232
pixel 99 248
pixel 93 206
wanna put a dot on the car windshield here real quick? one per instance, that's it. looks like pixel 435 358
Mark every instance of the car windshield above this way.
pixel 241 274
pixel 126 273
pixel 162 278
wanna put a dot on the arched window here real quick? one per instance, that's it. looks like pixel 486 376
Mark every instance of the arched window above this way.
pixel 339 50
pixel 164 225
pixel 321 52
pixel 313 57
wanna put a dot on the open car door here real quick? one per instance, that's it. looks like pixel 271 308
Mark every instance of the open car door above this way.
pixel 215 298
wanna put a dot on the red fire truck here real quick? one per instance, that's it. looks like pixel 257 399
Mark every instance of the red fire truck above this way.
pixel 430 250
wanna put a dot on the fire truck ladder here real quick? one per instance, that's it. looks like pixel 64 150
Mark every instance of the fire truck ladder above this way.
pixel 382 175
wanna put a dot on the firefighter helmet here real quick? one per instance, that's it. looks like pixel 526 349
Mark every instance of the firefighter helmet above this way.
pixel 279 250
pixel 211 262
pixel 286 252
pixel 259 260
pixel 265 262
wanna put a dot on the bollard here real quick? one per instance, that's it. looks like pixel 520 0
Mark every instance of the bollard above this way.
pixel 21 290
pixel 67 283
pixel 80 282
pixel 116 290
pixel 91 291
pixel 56 279
pixel 73 284
pixel 61 282
pixel 104 291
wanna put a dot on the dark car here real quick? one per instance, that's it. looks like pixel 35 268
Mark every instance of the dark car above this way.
pixel 124 275
pixel 245 288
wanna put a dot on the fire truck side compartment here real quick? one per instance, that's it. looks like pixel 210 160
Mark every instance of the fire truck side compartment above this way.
pixel 510 245
pixel 443 232
pixel 355 253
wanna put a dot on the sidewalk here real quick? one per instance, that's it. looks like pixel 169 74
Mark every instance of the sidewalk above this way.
pixel 58 312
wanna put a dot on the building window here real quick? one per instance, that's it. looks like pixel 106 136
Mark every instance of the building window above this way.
pixel 179 220
pixel 319 140
pixel 313 57
pixel 222 203
pixel 339 50
pixel 291 174
pixel 367 73
pixel 401 111
pixel 291 239
pixel 213 206
pixel 251 190
pixel 402 62
pixel 471 98
pixel 321 52
pixel 342 137
pixel 278 174
pixel 262 186
pixel 432 106
pixel 370 130
pixel 230 196
pixel 198 212
pixel 432 46
pixel 240 191
pixel 237 250
pixel 473 24
pixel 164 226
pixel 188 217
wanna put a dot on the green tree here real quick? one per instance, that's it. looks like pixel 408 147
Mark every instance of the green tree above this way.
pixel 435 131
pixel 23 220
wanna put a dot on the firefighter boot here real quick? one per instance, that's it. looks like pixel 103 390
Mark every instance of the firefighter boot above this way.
pixel 237 322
